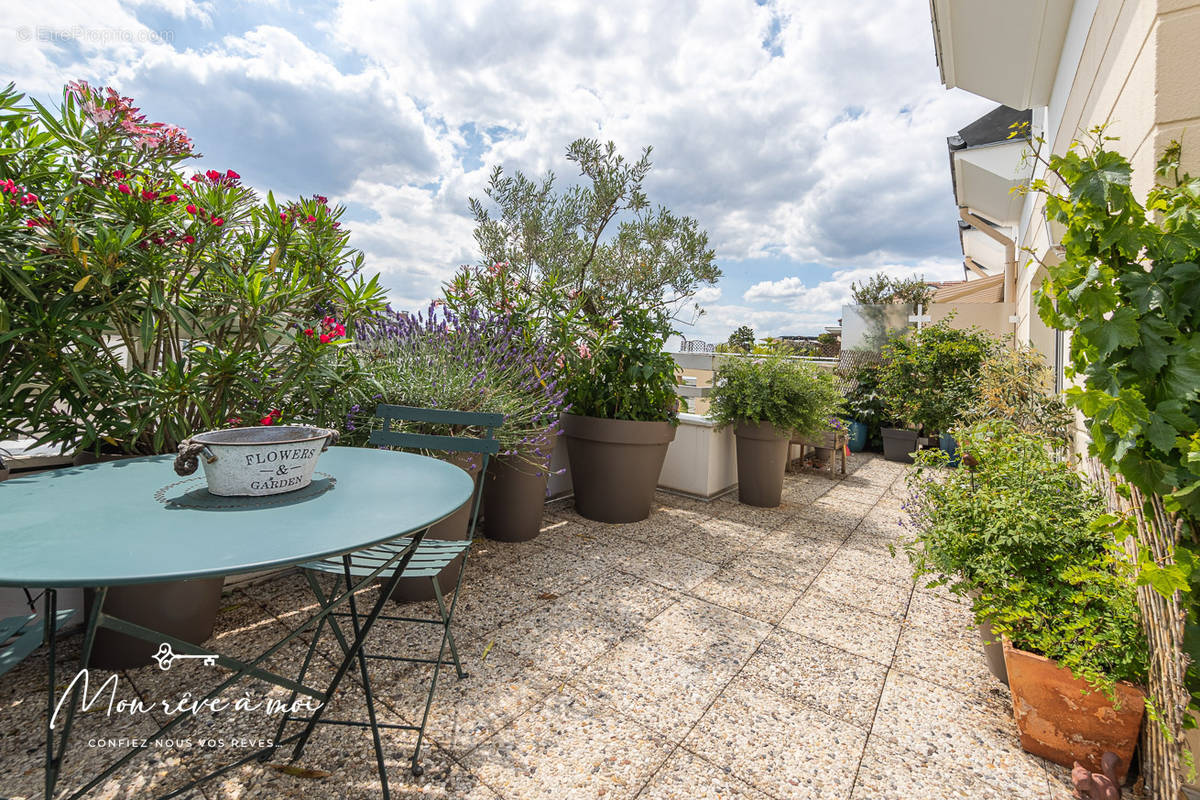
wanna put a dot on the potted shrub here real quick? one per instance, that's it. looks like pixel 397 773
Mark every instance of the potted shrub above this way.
pixel 469 363
pixel 623 412
pixel 769 400
pixel 1017 533
pixel 929 380
pixel 149 303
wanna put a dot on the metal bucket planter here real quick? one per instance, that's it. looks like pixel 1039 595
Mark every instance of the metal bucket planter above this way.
pixel 858 436
pixel 615 464
pixel 762 454
pixel 255 462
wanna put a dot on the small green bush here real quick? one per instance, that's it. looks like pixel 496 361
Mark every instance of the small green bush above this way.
pixel 789 394
pixel 1017 532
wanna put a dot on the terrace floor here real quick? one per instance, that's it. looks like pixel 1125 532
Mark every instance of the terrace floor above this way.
pixel 713 651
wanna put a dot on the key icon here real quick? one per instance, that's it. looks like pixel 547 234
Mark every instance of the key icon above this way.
pixel 166 656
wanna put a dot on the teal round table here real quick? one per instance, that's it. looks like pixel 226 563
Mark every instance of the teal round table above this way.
pixel 135 521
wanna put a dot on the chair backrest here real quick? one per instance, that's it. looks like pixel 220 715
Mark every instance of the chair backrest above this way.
pixel 486 445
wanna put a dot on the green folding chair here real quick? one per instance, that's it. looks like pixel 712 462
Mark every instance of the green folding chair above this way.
pixel 432 557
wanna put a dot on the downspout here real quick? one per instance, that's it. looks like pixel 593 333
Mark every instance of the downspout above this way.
pixel 1010 251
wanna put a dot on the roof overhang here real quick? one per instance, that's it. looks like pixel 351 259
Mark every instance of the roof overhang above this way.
pixel 986 179
pixel 1004 50
pixel 983 250
pixel 982 290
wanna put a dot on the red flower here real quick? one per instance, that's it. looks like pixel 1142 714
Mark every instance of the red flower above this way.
pixel 213 175
pixel 283 216
pixel 275 413
pixel 339 329
pixel 308 332
pixel 31 223
pixel 328 321
pixel 190 208
pixel 148 195
pixel 197 177
pixel 189 239
pixel 171 198
pixel 266 420
pixel 123 188
pixel 218 221
pixel 118 174
pixel 325 337
pixel 320 198
pixel 310 218
pixel 233 176
pixel 29 199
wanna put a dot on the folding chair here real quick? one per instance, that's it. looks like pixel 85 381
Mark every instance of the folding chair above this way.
pixel 432 556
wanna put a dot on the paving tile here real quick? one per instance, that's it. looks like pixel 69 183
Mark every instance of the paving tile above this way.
pixel 934 721
pixel 706 631
pixel 569 747
pixel 712 542
pixel 953 661
pixel 781 747
pixel 845 627
pixel 552 571
pixel 946 617
pixel 887 773
pixel 769 566
pixel 766 518
pixel 490 600
pixel 627 600
pixel 879 565
pixel 843 519
pixel 838 683
pixel 886 599
pixel 736 589
pixel 557 639
pixel 666 568
pixel 688 776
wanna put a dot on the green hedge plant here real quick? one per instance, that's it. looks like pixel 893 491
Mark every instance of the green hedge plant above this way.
pixel 787 393
pixel 1017 531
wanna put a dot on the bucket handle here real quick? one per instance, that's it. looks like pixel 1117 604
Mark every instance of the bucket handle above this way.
pixel 330 440
pixel 186 462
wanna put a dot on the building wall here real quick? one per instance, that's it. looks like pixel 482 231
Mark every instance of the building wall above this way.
pixel 1131 66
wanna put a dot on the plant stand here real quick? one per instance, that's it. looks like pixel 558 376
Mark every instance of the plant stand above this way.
pixel 834 440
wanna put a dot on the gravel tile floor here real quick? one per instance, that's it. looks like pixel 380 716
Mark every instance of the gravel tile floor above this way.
pixel 713 651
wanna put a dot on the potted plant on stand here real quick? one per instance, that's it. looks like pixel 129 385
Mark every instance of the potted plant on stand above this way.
pixel 1017 533
pixel 150 305
pixel 769 400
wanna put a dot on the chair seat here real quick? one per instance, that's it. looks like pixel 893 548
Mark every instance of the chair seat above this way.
pixel 432 556
pixel 25 634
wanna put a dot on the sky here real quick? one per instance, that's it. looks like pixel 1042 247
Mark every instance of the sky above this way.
pixel 807 137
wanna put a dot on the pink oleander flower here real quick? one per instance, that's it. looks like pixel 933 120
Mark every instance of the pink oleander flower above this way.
pixel 325 338
pixel 339 329
pixel 189 240
pixel 171 198
pixel 585 351
pixel 218 221
pixel 123 188
pixel 267 420
pixel 308 332
pixel 197 177
pixel 310 218
pixel 29 199
pixel 190 208
pixel 213 175
pixel 148 195
pixel 231 175
pixel 283 217
pixel 118 174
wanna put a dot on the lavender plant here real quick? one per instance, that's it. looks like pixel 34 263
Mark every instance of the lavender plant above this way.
pixel 466 363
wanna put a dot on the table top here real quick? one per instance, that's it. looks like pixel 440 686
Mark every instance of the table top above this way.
pixel 124 522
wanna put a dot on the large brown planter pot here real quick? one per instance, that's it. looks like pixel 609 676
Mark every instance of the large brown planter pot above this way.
pixel 514 498
pixel 184 609
pixel 615 464
pixel 1060 718
pixel 455 527
pixel 762 453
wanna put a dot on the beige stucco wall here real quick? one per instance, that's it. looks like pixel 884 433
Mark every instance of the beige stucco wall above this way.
pixel 991 317
pixel 1137 75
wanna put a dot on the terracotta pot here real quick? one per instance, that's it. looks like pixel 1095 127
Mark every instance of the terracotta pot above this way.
pixel 899 444
pixel 514 498
pixel 1061 719
pixel 615 464
pixel 184 609
pixel 455 527
pixel 762 454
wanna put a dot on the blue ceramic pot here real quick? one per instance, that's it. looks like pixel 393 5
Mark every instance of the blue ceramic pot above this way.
pixel 950 448
pixel 857 437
